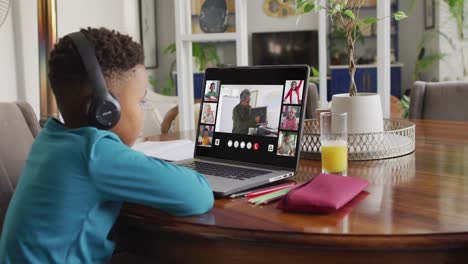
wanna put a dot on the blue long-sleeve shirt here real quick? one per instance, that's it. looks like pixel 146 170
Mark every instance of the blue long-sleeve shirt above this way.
pixel 71 191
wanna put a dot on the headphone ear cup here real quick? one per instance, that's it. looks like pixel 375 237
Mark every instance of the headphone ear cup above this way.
pixel 103 113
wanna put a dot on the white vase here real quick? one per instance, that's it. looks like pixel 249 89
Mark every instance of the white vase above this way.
pixel 364 112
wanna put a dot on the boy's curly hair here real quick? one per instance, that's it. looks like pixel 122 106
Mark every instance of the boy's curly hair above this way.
pixel 116 54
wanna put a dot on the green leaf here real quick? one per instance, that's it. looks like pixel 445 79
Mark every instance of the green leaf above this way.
pixel 170 49
pixel 350 14
pixel 370 20
pixel 404 104
pixel 406 99
pixel 309 7
pixel 315 72
pixel 400 15
pixel 428 61
pixel 153 82
pixel 300 4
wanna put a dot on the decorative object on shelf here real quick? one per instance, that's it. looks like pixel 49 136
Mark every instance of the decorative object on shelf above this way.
pixel 346 15
pixel 213 16
pixel 218 16
pixel 148 34
pixel 4 8
pixel 397 139
pixel 429 14
pixel 279 8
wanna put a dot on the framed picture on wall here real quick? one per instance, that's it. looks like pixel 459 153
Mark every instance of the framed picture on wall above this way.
pixel 429 14
pixel 148 33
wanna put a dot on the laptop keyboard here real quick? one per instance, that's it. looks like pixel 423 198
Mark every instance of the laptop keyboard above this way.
pixel 223 170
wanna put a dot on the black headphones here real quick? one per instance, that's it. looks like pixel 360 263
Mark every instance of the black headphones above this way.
pixel 103 109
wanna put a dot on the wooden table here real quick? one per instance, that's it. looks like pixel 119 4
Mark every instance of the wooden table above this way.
pixel 415 209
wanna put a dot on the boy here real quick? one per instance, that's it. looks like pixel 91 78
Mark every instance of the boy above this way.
pixel 205 137
pixel 76 176
pixel 211 95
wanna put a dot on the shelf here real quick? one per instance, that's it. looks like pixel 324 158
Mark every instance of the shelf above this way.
pixel 210 37
pixel 359 66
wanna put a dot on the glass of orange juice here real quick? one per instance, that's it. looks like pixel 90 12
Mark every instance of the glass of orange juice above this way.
pixel 334 141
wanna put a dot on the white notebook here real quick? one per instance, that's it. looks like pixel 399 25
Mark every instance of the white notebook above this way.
pixel 173 150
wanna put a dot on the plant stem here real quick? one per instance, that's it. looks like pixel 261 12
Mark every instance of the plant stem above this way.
pixel 352 67
pixel 465 73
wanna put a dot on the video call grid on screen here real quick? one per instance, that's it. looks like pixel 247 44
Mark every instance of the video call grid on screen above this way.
pixel 267 88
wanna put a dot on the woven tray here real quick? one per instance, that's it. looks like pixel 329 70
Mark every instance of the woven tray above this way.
pixel 398 139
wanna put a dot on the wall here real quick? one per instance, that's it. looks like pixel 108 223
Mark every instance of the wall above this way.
pixel 26 51
pixel 121 15
pixel 166 35
pixel 19 38
pixel 8 90
pixel 410 33
pixel 454 66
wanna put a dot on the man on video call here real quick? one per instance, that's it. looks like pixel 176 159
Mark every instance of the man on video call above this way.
pixel 241 118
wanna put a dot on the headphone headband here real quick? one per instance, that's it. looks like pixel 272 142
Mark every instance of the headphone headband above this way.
pixel 103 110
pixel 88 57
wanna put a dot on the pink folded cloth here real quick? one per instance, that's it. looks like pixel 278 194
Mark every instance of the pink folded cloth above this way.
pixel 325 193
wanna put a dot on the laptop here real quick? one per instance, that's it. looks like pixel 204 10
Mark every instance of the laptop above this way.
pixel 240 141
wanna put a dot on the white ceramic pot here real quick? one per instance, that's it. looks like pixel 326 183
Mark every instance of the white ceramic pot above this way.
pixel 364 112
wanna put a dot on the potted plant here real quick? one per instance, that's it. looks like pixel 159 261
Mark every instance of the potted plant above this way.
pixel 364 109
pixel 203 54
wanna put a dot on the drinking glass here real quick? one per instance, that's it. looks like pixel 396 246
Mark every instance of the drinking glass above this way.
pixel 334 140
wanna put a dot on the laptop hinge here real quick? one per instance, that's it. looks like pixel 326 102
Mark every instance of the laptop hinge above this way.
pixel 247 164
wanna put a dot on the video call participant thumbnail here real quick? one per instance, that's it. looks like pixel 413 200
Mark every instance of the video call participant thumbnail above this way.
pixel 208 114
pixel 287 144
pixel 211 94
pixel 293 94
pixel 205 136
pixel 290 119
pixel 241 117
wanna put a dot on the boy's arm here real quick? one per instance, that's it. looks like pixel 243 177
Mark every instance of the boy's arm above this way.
pixel 122 174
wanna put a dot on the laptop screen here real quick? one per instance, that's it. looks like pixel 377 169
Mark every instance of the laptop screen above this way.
pixel 253 114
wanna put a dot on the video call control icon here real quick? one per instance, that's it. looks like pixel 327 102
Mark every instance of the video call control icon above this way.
pixel 229 143
pixel 256 146
pixel 271 147
pixel 242 145
pixel 249 145
pixel 236 144
pixel 217 142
